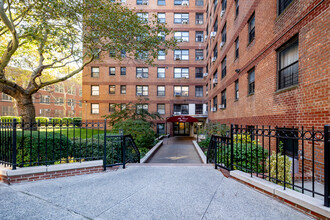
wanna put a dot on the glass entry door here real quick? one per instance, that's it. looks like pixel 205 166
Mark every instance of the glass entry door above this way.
pixel 181 128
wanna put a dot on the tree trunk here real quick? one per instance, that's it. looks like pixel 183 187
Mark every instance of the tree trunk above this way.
pixel 26 109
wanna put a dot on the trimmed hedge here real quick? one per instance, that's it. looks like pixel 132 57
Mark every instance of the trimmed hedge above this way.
pixel 55 121
pixel 77 121
pixel 10 119
pixel 42 120
pixel 67 120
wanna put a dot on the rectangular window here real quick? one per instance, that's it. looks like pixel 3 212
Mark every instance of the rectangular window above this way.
pixel 251 80
pixel 199 91
pixel 236 8
pixel 199 72
pixel 224 35
pixel 181 72
pixel 142 2
pixel 112 89
pixel 144 16
pixel 223 98
pixel 122 106
pixel 71 102
pixel 123 89
pixel 59 88
pixel 59 101
pixel 142 72
pixel 181 91
pixel 161 55
pixel 288 57
pixel 282 4
pixel 112 53
pixel 161 37
pixel 181 36
pixel 112 107
pixel 224 67
pixel 45 112
pixel 95 90
pixel 95 108
pixel 289 139
pixel 45 99
pixel 215 27
pixel 215 79
pixel 251 28
pixel 181 54
pixel 140 107
pixel 236 48
pixel 199 2
pixel 161 72
pixel 181 109
pixel 160 90
pixel 161 18
pixel 161 109
pixel 123 71
pixel 142 90
pixel 123 53
pixel 198 109
pixel 215 51
pixel 7 111
pixel 161 2
pixel 215 103
pixel 215 4
pixel 224 5
pixel 95 72
pixel 199 36
pixel 199 18
pixel 181 18
pixel 199 54
pixel 112 71
pixel 236 90
pixel 160 129
pixel 6 97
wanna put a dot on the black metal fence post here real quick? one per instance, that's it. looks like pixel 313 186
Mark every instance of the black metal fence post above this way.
pixel 14 144
pixel 326 165
pixel 123 148
pixel 231 147
pixel 105 146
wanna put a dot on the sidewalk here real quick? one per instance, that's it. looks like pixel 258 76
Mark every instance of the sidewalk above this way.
pixel 145 192
pixel 176 150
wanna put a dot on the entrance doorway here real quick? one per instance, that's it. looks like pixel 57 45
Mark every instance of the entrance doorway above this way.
pixel 181 128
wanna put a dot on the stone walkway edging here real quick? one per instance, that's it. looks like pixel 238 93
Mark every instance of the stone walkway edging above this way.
pixel 151 152
pixel 200 152
pixel 315 206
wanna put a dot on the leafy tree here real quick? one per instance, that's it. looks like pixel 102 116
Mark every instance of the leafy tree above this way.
pixel 45 36
pixel 132 111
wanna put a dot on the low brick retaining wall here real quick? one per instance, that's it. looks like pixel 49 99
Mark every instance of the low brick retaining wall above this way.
pixel 49 172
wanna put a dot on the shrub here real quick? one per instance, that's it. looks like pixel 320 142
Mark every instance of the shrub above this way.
pixel 77 121
pixel 276 162
pixel 143 151
pixel 141 131
pixel 41 147
pixel 10 119
pixel 204 144
pixel 68 160
pixel 55 121
pixel 67 120
pixel 42 120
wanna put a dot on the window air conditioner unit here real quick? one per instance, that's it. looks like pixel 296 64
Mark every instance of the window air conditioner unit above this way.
pixel 200 58
pixel 186 77
pixel 185 21
pixel 215 80
pixel 213 59
pixel 222 13
pixel 205 113
pixel 177 57
pixel 221 106
pixel 213 109
pixel 207 92
pixel 144 2
pixel 177 113
pixel 139 77
pixel 213 34
pixel 200 22
pixel 205 37
pixel 205 74
pixel 185 3
pixel 222 44
pixel 139 94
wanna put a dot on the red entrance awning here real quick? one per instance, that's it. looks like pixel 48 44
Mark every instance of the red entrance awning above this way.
pixel 182 118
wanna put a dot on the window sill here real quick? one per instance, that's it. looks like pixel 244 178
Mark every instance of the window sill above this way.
pixel 236 100
pixel 251 43
pixel 251 94
pixel 279 91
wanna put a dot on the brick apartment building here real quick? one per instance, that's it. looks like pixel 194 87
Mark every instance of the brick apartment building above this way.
pixel 58 100
pixel 241 62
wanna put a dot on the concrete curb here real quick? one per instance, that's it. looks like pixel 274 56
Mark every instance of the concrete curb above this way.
pixel 200 152
pixel 151 152
pixel 299 199
pixel 51 168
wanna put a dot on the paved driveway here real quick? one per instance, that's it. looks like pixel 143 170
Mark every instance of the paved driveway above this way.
pixel 141 192
pixel 176 150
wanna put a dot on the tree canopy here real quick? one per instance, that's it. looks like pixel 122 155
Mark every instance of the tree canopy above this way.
pixel 45 36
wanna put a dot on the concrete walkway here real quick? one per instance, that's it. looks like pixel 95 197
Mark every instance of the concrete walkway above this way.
pixel 176 150
pixel 141 192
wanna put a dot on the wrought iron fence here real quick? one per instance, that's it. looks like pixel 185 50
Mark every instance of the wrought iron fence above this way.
pixel 295 158
pixel 44 143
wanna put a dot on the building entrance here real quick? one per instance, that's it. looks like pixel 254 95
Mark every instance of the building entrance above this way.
pixel 181 128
